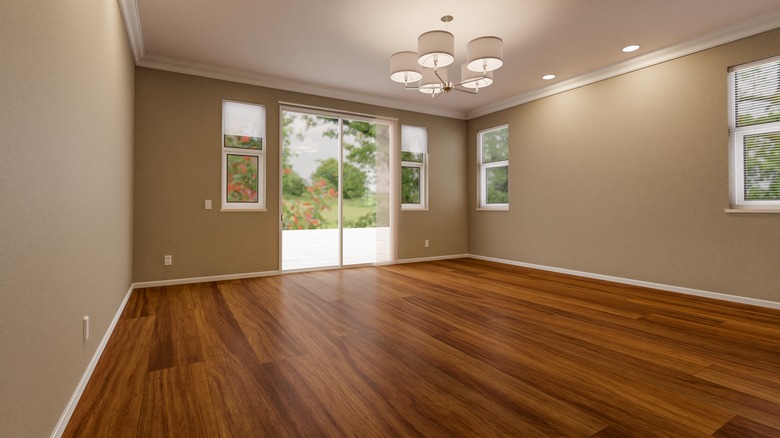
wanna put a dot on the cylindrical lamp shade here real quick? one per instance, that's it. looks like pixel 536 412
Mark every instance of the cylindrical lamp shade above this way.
pixel 436 49
pixel 473 79
pixel 430 83
pixel 404 67
pixel 485 54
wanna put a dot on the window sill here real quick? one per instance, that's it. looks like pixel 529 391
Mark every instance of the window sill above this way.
pixel 753 210
pixel 506 208
pixel 411 208
pixel 242 210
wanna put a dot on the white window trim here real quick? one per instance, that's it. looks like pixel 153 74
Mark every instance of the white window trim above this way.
pixel 738 166
pixel 423 205
pixel 482 174
pixel 738 204
pixel 261 168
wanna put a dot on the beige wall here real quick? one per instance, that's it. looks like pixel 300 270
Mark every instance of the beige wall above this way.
pixel 629 177
pixel 177 167
pixel 66 127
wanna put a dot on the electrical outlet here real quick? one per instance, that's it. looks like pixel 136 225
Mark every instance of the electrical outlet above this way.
pixel 427 243
pixel 168 260
pixel 85 328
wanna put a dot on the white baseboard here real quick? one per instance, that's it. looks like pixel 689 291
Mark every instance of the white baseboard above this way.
pixel 177 281
pixel 433 259
pixel 74 399
pixel 665 287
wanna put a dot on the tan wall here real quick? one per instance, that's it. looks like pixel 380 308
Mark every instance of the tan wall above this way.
pixel 629 177
pixel 66 127
pixel 177 167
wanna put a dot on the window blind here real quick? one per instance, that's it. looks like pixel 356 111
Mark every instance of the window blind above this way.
pixel 757 97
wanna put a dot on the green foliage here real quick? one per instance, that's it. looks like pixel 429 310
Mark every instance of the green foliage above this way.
pixel 366 221
pixel 292 183
pixel 360 140
pixel 762 166
pixel 241 178
pixel 415 157
pixel 410 185
pixel 306 212
pixel 243 142
pixel 758 94
pixel 314 208
pixel 498 185
pixel 354 185
pixel 495 145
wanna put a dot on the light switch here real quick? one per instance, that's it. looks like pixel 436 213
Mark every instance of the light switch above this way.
pixel 208 204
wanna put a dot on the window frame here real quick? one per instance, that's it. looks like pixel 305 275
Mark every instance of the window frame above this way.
pixel 737 200
pixel 482 171
pixel 260 205
pixel 423 167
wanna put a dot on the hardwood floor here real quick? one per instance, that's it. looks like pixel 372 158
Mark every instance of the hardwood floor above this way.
pixel 450 348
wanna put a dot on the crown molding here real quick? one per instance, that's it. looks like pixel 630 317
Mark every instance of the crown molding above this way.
pixel 250 78
pixel 129 10
pixel 724 35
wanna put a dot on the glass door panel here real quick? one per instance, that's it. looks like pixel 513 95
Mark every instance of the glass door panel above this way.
pixel 310 191
pixel 365 192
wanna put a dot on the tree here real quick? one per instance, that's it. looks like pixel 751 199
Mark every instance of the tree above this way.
pixel 354 184
pixel 762 168
pixel 292 183
pixel 410 185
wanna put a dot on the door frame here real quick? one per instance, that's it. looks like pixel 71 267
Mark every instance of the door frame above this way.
pixel 394 178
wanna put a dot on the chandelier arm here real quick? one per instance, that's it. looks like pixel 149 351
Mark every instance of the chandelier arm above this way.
pixel 443 82
pixel 475 79
pixel 465 90
pixel 411 88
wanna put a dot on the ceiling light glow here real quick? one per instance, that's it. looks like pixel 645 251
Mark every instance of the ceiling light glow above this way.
pixel 548 77
pixel 630 48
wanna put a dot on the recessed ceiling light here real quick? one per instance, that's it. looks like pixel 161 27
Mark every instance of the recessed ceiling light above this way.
pixel 548 77
pixel 630 48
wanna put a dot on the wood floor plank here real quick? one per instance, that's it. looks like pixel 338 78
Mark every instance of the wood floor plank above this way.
pixel 461 413
pixel 447 348
pixel 660 381
pixel 111 402
pixel 266 332
pixel 241 394
pixel 176 337
pixel 535 408
pixel 142 302
pixel 630 404
pixel 177 403
pixel 740 427
pixel 743 382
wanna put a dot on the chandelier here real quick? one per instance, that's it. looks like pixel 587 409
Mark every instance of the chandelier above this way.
pixel 425 70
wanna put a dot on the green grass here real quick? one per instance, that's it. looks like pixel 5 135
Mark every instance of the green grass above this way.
pixel 353 209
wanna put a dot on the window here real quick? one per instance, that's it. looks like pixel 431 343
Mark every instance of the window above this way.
pixel 493 172
pixel 754 99
pixel 243 156
pixel 414 161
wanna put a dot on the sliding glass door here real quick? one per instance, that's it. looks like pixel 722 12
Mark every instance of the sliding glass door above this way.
pixel 336 183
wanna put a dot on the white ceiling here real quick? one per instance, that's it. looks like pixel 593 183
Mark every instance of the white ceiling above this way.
pixel 341 48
